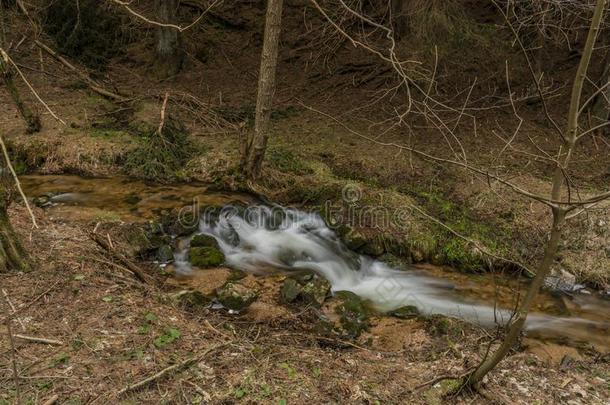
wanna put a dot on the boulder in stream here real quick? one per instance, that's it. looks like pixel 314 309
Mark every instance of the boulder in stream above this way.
pixel 206 256
pixel 202 240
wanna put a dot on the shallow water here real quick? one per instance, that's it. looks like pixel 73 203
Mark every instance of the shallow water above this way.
pixel 263 239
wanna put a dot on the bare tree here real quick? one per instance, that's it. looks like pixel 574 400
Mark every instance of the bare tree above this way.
pixel 560 211
pixel 561 202
pixel 32 120
pixel 255 144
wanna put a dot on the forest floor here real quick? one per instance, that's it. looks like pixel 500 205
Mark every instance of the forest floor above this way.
pixel 107 323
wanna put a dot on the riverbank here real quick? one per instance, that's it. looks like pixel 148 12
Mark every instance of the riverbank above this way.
pixel 114 331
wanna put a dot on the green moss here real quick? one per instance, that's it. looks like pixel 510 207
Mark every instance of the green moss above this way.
pixel 354 313
pixel 206 256
pixel 204 240
pixel 235 296
pixel 286 161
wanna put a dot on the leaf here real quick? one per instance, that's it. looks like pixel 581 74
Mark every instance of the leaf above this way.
pixel 240 393
pixel 79 277
pixel 317 372
pixel 168 337
pixel 292 373
pixel 150 317
pixel 282 402
pixel 144 329
pixel 107 298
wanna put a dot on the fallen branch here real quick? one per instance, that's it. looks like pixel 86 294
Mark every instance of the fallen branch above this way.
pixel 39 340
pixel 104 244
pixel 175 368
pixel 51 400
pixel 93 85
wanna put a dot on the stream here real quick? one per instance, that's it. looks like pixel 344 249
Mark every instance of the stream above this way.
pixel 262 239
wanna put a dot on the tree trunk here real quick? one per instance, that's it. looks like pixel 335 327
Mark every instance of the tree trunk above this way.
pixel 12 255
pixel 32 120
pixel 169 56
pixel 256 143
pixel 550 252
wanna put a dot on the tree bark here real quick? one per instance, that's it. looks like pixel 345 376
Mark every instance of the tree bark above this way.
pixel 550 253
pixel 32 120
pixel 12 255
pixel 169 56
pixel 256 143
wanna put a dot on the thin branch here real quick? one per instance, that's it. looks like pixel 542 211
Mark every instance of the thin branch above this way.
pixel 17 182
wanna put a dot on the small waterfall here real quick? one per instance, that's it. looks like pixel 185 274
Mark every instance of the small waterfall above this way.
pixel 260 239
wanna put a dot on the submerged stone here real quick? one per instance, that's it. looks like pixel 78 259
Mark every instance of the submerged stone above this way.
pixel 206 256
pixel 406 312
pixel 235 296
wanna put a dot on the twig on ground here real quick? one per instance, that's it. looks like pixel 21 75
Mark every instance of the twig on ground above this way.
pixel 104 244
pixel 51 400
pixel 176 367
pixel 6 297
pixel 40 340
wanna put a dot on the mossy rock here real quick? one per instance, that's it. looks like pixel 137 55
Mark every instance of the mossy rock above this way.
pixel 290 290
pixel 353 239
pixel 406 312
pixel 206 256
pixel 165 254
pixel 307 288
pixel 373 248
pixel 395 262
pixel 191 299
pixel 203 241
pixel 315 291
pixel 354 314
pixel 235 296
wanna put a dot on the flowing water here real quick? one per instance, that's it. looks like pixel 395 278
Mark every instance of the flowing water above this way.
pixel 262 239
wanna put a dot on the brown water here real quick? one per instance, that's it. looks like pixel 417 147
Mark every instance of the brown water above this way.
pixel 578 318
pixel 76 198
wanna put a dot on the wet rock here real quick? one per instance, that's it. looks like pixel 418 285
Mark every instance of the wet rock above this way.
pixel 235 296
pixel 394 261
pixel 373 248
pixel 191 299
pixel 315 291
pixel 206 256
pixel 561 280
pixel 42 201
pixel 354 313
pixel 290 290
pixel 417 255
pixel 354 240
pixel 204 240
pixel 165 254
pixel 406 312
pixel 307 288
